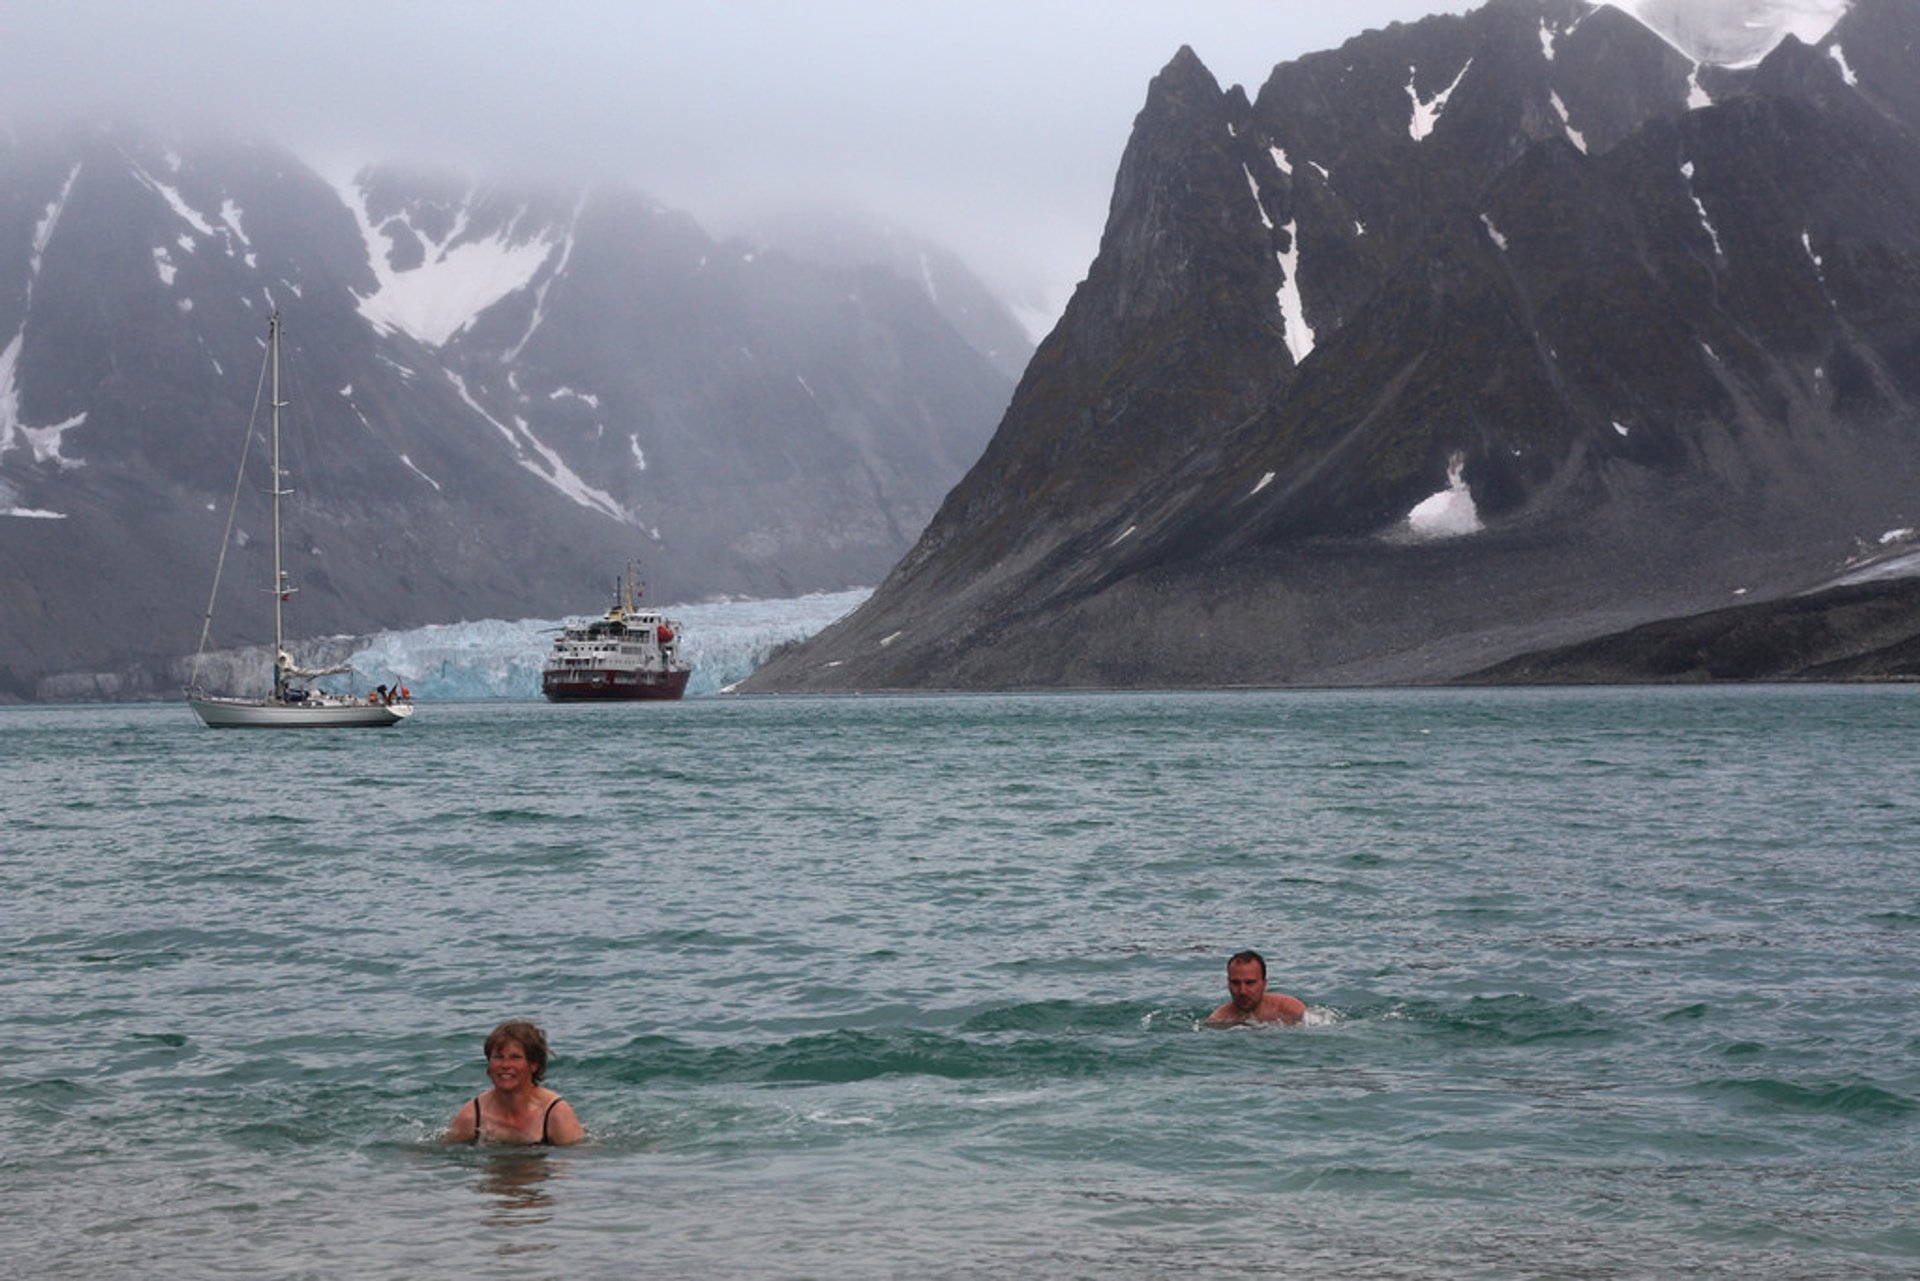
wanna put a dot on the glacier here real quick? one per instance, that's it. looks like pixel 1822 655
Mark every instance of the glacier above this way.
pixel 494 658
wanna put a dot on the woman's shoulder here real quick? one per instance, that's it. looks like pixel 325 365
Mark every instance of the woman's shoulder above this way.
pixel 561 1124
pixel 466 1122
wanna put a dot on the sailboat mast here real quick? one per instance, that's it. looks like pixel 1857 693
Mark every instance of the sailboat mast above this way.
pixel 279 575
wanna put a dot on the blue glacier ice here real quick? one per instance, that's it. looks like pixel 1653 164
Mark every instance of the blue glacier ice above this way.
pixel 493 658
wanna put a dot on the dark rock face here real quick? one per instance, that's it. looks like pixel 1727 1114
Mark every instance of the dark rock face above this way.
pixel 1475 336
pixel 496 398
pixel 1864 632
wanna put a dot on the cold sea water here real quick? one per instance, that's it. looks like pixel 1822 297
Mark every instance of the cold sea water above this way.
pixel 1604 983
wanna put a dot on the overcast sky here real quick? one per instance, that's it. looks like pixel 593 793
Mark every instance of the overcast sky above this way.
pixel 993 126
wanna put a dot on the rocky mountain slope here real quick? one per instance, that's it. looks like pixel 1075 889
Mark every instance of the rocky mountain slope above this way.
pixel 497 397
pixel 1475 336
pixel 1859 632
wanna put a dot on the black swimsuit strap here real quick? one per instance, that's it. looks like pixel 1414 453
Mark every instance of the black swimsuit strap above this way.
pixel 546 1119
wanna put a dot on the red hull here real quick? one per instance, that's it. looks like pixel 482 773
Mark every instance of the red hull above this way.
pixel 617 687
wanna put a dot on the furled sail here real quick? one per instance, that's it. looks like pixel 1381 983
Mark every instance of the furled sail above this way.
pixel 290 669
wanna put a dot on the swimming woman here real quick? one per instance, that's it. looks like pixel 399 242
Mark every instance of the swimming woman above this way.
pixel 518 1109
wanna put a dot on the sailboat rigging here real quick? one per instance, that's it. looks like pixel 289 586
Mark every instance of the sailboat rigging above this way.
pixel 291 702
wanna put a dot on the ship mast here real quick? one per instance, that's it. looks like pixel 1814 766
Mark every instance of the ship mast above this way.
pixel 279 488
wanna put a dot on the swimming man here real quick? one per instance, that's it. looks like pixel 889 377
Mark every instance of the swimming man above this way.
pixel 1250 1002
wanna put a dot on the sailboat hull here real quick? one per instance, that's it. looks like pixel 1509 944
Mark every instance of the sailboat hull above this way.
pixel 257 713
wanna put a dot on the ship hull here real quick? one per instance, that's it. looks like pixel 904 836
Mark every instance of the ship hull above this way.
pixel 248 713
pixel 611 686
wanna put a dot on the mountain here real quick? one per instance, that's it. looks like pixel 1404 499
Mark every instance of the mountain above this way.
pixel 1476 336
pixel 1861 632
pixel 497 396
pixel 844 238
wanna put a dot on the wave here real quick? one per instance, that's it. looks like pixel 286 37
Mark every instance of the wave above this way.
pixel 1039 1039
pixel 1859 1100
pixel 1060 1016
pixel 837 1058
pixel 1512 1019
pixel 1896 919
pixel 510 816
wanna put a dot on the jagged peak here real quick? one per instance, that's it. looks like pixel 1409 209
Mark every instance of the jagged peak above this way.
pixel 1184 78
pixel 1185 62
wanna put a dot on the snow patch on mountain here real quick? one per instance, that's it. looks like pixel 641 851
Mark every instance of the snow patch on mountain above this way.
pixel 1259 205
pixel 414 468
pixel 43 230
pixel 1449 513
pixel 1566 122
pixel 1686 171
pixel 1735 33
pixel 230 216
pixel 544 462
pixel 185 212
pixel 1819 267
pixel 1839 56
pixel 44 442
pixel 1697 95
pixel 1299 334
pixel 458 280
pixel 1426 113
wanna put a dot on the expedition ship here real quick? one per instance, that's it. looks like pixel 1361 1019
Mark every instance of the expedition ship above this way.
pixel 630 653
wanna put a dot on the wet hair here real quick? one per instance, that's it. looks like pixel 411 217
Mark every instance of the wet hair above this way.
pixel 530 1039
pixel 1242 958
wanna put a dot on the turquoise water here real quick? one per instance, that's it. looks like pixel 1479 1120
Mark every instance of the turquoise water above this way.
pixel 1605 983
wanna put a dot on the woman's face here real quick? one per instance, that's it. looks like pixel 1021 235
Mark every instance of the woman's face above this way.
pixel 507 1066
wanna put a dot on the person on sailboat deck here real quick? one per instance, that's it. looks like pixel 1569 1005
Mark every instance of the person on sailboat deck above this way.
pixel 517 1109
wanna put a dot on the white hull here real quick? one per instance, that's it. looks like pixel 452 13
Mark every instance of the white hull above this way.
pixel 260 713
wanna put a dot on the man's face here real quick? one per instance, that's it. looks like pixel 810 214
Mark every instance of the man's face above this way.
pixel 1246 985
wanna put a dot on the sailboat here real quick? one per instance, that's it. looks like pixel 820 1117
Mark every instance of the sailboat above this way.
pixel 292 702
